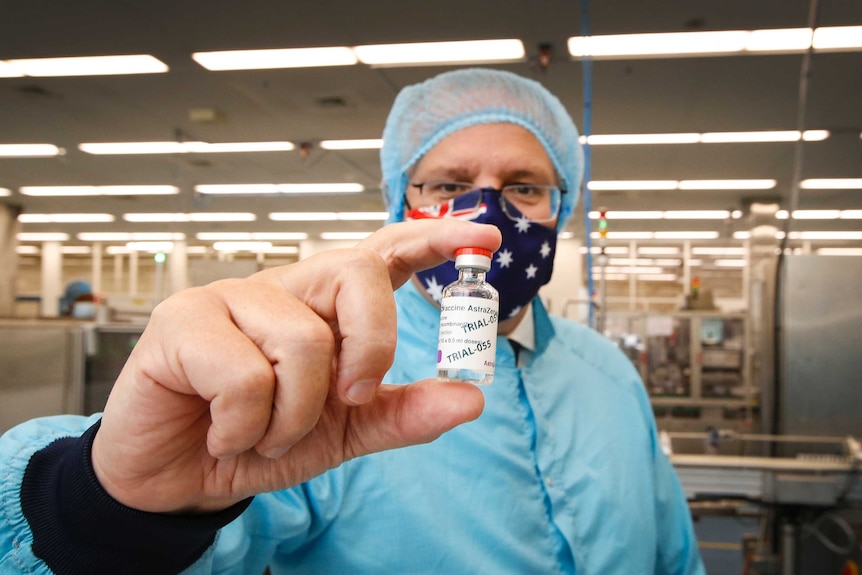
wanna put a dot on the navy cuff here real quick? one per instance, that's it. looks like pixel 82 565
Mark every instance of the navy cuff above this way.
pixel 78 529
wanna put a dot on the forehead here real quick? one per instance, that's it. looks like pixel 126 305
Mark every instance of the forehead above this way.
pixel 487 149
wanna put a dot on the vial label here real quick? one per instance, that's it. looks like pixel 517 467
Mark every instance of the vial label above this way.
pixel 468 334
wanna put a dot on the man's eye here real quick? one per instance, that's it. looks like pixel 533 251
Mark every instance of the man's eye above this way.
pixel 447 188
pixel 525 190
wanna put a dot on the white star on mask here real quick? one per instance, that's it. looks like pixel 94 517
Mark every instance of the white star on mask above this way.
pixel 434 289
pixel 546 250
pixel 515 311
pixel 504 258
pixel 523 224
pixel 531 271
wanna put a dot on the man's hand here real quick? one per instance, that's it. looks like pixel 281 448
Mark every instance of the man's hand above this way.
pixel 247 386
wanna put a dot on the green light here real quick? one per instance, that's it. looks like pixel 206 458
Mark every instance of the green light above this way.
pixel 603 224
pixel 160 257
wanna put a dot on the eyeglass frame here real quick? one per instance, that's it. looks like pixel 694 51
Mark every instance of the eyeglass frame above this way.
pixel 469 187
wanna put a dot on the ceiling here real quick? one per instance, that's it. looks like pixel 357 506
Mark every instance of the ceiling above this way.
pixel 639 96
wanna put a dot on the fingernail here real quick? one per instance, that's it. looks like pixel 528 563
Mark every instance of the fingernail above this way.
pixel 361 391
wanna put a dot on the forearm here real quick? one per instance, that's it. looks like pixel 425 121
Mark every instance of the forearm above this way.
pixel 71 525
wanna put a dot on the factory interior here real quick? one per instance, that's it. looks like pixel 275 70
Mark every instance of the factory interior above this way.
pixel 717 240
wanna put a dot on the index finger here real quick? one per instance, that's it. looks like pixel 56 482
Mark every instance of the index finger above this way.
pixel 408 247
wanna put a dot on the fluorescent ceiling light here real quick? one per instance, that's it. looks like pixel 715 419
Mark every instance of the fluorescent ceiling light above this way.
pixel 779 40
pixel 42 237
pixel 644 262
pixel 706 138
pixel 225 189
pixel 633 185
pixel 628 270
pixel 625 235
pixel 193 217
pixel 27 250
pixel 64 218
pixel 237 189
pixel 727 184
pixel 826 235
pixel 837 38
pixel 131 236
pixel 839 251
pixel 89 66
pixel 831 184
pixel 470 51
pixel 686 235
pixel 242 246
pixel 851 214
pixel 627 215
pixel 29 150
pixel 349 188
pixel 363 216
pixel 712 43
pixel 7 70
pixel 815 135
pixel 5 192
pixel 251 236
pixel 729 263
pixel 658 185
pixel 344 235
pixel 742 137
pixel 112 148
pixel 658 251
pixel 697 215
pixel 661 44
pixel 631 139
pixel 58 191
pixel 809 214
pixel 369 144
pixel 303 216
pixel 669 215
pixel 716 251
pixel 327 216
pixel 279 58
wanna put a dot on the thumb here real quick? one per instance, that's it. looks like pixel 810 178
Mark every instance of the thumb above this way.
pixel 402 415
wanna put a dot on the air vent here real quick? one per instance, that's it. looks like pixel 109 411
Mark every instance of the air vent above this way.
pixel 331 102
pixel 35 91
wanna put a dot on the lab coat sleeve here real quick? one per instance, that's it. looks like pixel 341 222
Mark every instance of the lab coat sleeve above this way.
pixel 56 518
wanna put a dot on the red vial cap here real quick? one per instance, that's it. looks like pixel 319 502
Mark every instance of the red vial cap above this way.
pixel 473 251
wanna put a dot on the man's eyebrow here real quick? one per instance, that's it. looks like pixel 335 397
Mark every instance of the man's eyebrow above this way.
pixel 452 173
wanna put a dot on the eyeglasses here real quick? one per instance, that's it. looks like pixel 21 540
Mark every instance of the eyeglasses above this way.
pixel 536 202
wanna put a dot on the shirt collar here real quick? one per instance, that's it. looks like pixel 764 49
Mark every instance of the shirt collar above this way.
pixel 525 332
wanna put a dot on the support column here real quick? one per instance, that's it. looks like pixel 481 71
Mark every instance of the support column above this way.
pixel 9 227
pixel 118 272
pixel 52 274
pixel 96 281
pixel 633 286
pixel 133 273
pixel 178 268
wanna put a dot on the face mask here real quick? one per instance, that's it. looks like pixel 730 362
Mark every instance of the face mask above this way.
pixel 520 267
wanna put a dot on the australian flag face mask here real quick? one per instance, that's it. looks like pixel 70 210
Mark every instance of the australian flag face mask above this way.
pixel 520 267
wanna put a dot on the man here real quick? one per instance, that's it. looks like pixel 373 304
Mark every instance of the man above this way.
pixel 257 387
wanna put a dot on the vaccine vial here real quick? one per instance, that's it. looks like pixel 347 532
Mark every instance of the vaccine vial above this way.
pixel 467 346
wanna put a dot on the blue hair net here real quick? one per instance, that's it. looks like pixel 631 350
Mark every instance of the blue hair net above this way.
pixel 425 113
